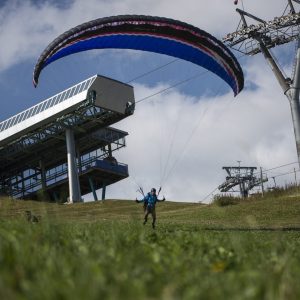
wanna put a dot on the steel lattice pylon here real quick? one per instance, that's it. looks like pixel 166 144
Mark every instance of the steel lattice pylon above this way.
pixel 262 35
pixel 243 177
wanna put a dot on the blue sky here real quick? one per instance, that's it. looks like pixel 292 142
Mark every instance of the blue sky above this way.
pixel 212 128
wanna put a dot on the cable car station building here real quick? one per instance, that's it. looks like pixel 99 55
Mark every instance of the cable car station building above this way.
pixel 62 148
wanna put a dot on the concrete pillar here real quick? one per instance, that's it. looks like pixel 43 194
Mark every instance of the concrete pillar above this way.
pixel 74 187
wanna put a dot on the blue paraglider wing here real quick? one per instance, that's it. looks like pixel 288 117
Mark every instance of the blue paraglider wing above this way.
pixel 146 33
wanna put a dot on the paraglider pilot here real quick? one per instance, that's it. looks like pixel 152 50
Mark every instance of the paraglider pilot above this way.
pixel 149 204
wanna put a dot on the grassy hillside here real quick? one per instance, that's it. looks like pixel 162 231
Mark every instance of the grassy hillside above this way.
pixel 101 250
pixel 279 210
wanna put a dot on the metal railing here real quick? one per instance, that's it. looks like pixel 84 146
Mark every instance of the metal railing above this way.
pixel 109 166
pixel 33 182
pixel 46 104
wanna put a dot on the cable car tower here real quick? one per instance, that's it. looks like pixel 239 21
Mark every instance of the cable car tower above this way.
pixel 243 177
pixel 259 37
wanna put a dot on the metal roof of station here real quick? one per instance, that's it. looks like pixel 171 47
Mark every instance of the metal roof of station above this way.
pixel 45 111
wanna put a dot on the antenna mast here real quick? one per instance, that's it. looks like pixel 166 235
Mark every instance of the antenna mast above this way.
pixel 260 37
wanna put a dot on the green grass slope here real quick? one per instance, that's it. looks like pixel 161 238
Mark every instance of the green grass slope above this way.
pixel 101 250
pixel 273 211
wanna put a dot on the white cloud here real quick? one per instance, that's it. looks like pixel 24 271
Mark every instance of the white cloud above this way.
pixel 26 29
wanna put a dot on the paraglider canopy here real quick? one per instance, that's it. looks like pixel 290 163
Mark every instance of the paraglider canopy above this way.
pixel 147 33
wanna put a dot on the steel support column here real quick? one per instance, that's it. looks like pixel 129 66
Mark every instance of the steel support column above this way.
pixel 74 187
pixel 55 196
pixel 290 90
pixel 23 184
pixel 103 191
pixel 92 186
pixel 293 96
pixel 43 174
pixel 79 161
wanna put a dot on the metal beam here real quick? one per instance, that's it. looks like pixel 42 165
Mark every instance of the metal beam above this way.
pixel 293 96
pixel 291 6
pixel 244 13
pixel 92 186
pixel 55 196
pixel 43 175
pixel 74 187
pixel 103 190
pixel 277 72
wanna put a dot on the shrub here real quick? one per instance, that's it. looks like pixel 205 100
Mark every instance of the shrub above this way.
pixel 221 200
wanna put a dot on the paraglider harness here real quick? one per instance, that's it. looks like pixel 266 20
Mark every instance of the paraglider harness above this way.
pixel 146 205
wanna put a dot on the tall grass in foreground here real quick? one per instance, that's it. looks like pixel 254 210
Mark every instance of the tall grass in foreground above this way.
pixel 126 260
